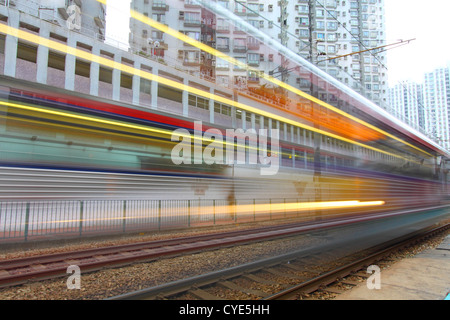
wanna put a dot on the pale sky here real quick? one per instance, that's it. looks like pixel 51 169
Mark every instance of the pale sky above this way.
pixel 429 22
pixel 118 22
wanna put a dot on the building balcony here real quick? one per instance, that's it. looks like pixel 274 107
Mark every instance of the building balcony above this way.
pixel 191 63
pixel 253 46
pixel 192 23
pixel 240 49
pixel 223 48
pixel 160 6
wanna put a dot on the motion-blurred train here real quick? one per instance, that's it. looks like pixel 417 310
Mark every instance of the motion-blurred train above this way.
pixel 59 145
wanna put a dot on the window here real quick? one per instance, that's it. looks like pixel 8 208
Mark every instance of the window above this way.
pixel 253 76
pixel 192 17
pixel 198 102
pixel 331 25
pixel 191 56
pixel 224 4
pixel 222 25
pixel 253 58
pixel 304 21
pixel 222 109
pixel 242 62
pixel 254 7
pixel 222 44
pixel 27 52
pixel 83 68
pixel 222 64
pixel 190 34
pixel 240 43
pixel 145 86
pixel 56 60
pixel 239 8
pixel 304 33
pixel 160 17
pixel 303 9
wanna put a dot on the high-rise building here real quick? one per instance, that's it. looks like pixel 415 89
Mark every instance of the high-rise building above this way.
pixel 327 32
pixel 325 29
pixel 406 103
pixel 437 105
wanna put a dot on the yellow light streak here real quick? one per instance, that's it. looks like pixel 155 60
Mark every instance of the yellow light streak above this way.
pixel 204 139
pixel 176 34
pixel 21 34
pixel 246 209
pixel 301 206
pixel 80 117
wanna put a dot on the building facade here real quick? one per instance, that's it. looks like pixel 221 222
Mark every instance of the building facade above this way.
pixel 318 30
pixel 425 106
pixel 327 29
pixel 436 96
pixel 406 103
pixel 84 16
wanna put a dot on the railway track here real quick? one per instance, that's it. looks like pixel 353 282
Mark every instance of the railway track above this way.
pixel 250 282
pixel 23 270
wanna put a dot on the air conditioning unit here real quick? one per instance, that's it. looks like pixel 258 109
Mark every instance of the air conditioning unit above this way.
pixel 181 15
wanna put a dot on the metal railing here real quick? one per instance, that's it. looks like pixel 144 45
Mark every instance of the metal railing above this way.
pixel 40 220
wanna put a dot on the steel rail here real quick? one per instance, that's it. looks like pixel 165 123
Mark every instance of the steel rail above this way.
pixel 17 271
pixel 21 270
pixel 195 283
pixel 336 274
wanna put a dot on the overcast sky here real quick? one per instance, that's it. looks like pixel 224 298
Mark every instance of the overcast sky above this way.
pixel 429 22
pixel 118 22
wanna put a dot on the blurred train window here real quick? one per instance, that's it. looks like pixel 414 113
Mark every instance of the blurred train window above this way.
pixel 299 159
pixel 27 52
pixel 56 60
pixel 274 124
pixel 248 116
pixel 286 157
pixel 82 68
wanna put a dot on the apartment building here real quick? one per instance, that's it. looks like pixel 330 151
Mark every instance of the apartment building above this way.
pixel 436 96
pixel 318 30
pixel 406 103
pixel 326 29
